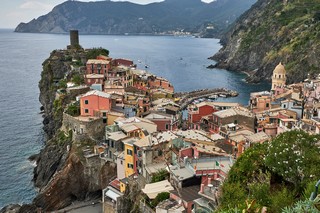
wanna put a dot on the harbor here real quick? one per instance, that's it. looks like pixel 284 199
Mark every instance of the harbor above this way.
pixel 185 98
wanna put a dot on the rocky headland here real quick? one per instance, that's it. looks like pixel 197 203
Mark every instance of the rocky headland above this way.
pixel 63 174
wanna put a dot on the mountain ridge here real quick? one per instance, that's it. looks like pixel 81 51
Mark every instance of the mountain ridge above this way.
pixel 107 17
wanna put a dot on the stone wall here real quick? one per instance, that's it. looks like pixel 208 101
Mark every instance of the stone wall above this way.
pixel 82 128
pixel 74 92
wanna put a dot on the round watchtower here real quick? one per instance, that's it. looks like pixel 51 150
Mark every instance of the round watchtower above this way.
pixel 278 77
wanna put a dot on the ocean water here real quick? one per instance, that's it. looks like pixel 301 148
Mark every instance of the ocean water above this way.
pixel 182 60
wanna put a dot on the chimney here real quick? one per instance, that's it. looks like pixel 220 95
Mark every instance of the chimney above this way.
pixel 201 188
pixel 209 180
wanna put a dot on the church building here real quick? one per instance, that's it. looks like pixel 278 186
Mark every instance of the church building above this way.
pixel 278 77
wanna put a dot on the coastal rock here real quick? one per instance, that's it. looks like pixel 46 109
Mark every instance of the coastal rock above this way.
pixel 54 69
pixel 79 179
pixel 12 208
pixel 51 160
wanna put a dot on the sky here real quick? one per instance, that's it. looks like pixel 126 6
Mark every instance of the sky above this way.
pixel 15 11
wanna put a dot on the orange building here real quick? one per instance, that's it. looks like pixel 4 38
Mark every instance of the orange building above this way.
pixel 94 102
pixel 158 82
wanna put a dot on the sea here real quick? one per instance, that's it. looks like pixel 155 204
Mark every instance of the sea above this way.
pixel 181 60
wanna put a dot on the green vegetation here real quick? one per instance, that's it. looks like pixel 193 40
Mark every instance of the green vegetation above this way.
pixel 62 84
pixel 160 175
pixel 58 106
pixel 275 174
pixel 160 197
pixel 73 109
pixel 93 53
pixel 77 79
pixel 275 31
pixel 305 206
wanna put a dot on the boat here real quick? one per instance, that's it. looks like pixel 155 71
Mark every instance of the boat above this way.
pixel 213 97
pixel 222 95
pixel 146 66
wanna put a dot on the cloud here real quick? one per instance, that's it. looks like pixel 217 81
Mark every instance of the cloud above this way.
pixel 36 5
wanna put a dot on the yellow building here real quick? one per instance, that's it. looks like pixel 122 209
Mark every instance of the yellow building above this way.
pixel 278 77
pixel 123 185
pixel 129 157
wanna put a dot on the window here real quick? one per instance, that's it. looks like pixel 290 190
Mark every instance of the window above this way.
pixel 121 162
pixel 167 126
pixel 86 111
pixel 267 104
pixel 130 166
pixel 104 114
pixel 129 152
pixel 86 101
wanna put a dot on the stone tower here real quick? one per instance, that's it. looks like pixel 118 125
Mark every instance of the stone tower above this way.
pixel 74 38
pixel 278 77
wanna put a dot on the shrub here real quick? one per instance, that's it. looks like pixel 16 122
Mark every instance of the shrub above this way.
pixel 159 176
pixel 93 53
pixel 160 197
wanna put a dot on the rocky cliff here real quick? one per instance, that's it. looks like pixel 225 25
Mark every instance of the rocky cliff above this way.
pixel 108 17
pixel 64 173
pixel 274 31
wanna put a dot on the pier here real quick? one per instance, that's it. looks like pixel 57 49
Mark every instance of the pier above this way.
pixel 185 98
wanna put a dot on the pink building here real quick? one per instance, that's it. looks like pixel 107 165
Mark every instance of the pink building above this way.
pixel 95 66
pixel 94 102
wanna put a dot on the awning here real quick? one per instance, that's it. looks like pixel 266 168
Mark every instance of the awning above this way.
pixel 111 194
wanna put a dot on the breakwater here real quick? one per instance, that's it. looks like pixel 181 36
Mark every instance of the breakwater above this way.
pixel 185 98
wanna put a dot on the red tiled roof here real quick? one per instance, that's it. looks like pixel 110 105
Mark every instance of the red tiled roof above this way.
pixel 115 184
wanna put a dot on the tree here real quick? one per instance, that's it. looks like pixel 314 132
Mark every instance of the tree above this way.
pixel 294 156
pixel 93 53
pixel 78 79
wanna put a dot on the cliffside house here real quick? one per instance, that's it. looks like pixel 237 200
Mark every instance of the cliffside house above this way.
pixel 95 104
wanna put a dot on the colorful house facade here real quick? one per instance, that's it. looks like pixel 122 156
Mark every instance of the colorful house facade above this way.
pixel 95 103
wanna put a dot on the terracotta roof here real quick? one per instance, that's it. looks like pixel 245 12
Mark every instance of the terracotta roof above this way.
pixel 97 61
pixel 115 184
pixel 97 93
